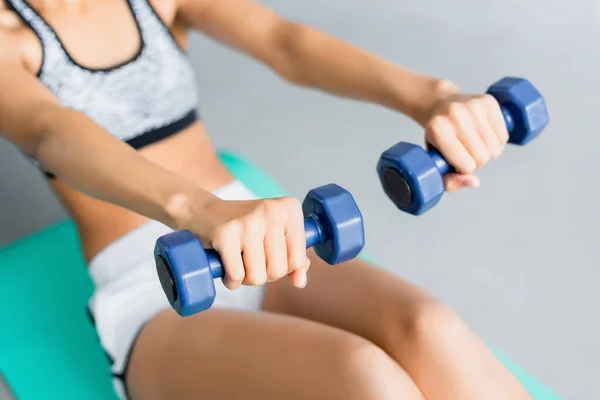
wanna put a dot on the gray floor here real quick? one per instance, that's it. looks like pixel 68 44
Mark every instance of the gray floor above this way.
pixel 519 258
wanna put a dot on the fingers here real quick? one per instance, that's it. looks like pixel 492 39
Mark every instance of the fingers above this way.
pixel 228 242
pixel 453 182
pixel 264 243
pixel 299 278
pixel 441 133
pixel 486 121
pixel 469 131
pixel 495 118
pixel 276 254
pixel 295 238
pixel 253 251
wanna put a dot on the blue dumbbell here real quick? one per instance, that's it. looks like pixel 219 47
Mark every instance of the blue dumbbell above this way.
pixel 412 176
pixel 333 225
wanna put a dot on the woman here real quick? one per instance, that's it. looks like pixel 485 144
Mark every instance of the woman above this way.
pixel 100 95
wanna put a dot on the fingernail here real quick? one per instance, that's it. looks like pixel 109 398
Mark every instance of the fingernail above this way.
pixel 303 281
pixel 472 183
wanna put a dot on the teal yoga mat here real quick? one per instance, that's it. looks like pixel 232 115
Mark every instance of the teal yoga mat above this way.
pixel 48 348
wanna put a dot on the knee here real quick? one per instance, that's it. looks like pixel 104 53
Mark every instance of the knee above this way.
pixel 434 324
pixel 365 371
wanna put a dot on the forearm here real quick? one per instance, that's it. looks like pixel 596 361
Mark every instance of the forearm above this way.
pixel 314 59
pixel 82 154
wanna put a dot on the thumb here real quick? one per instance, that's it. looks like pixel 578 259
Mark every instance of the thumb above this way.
pixel 299 278
pixel 453 182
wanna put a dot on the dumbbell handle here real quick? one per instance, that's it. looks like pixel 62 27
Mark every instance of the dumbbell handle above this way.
pixel 312 229
pixel 441 162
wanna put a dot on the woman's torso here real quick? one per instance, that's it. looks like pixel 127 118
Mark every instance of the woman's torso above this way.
pixel 101 35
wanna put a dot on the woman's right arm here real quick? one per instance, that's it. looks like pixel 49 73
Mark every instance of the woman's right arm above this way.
pixel 258 240
pixel 83 154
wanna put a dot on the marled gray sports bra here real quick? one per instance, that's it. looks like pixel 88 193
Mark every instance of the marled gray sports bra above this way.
pixel 141 101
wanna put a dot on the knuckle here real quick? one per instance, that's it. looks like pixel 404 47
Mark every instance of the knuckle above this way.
pixel 271 209
pixel 496 152
pixel 253 223
pixel 291 203
pixel 270 205
pixel 233 226
pixel 438 129
pixel 468 165
pixel 255 277
pixel 469 168
pixel 296 263
pixel 456 109
pixel 276 272
pixel 489 100
pixel 235 276
pixel 226 231
pixel 474 104
pixel 482 159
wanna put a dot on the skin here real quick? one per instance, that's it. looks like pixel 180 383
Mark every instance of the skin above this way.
pixel 371 334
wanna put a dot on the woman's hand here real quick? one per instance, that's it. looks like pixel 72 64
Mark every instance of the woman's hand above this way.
pixel 469 131
pixel 259 241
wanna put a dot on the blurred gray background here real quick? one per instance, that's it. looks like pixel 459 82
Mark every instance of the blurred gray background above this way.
pixel 519 257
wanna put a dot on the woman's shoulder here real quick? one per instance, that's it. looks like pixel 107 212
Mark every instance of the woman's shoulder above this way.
pixel 9 24
pixel 166 10
pixel 4 11
pixel 9 20
pixel 12 34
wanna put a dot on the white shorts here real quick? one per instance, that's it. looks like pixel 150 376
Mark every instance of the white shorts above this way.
pixel 128 293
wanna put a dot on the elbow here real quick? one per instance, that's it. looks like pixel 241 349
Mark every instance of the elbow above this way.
pixel 288 42
pixel 46 120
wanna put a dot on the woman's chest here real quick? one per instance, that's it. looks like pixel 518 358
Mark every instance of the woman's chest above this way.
pixel 94 34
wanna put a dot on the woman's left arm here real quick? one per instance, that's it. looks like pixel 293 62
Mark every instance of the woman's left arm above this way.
pixel 468 130
pixel 305 56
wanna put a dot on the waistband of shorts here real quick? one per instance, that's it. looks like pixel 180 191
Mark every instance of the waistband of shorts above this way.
pixel 138 244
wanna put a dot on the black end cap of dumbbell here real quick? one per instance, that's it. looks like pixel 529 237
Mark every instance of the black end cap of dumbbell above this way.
pixel 396 187
pixel 166 279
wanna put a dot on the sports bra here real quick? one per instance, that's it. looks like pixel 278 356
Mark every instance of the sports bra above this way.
pixel 140 101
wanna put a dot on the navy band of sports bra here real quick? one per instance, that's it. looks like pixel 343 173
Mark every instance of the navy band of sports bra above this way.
pixel 140 101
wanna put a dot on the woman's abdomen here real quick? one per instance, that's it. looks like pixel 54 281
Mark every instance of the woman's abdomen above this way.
pixel 189 153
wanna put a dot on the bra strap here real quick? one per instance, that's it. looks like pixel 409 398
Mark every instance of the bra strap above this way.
pixel 52 48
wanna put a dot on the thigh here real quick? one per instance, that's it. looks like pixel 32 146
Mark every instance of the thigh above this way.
pixel 355 296
pixel 429 340
pixel 226 354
